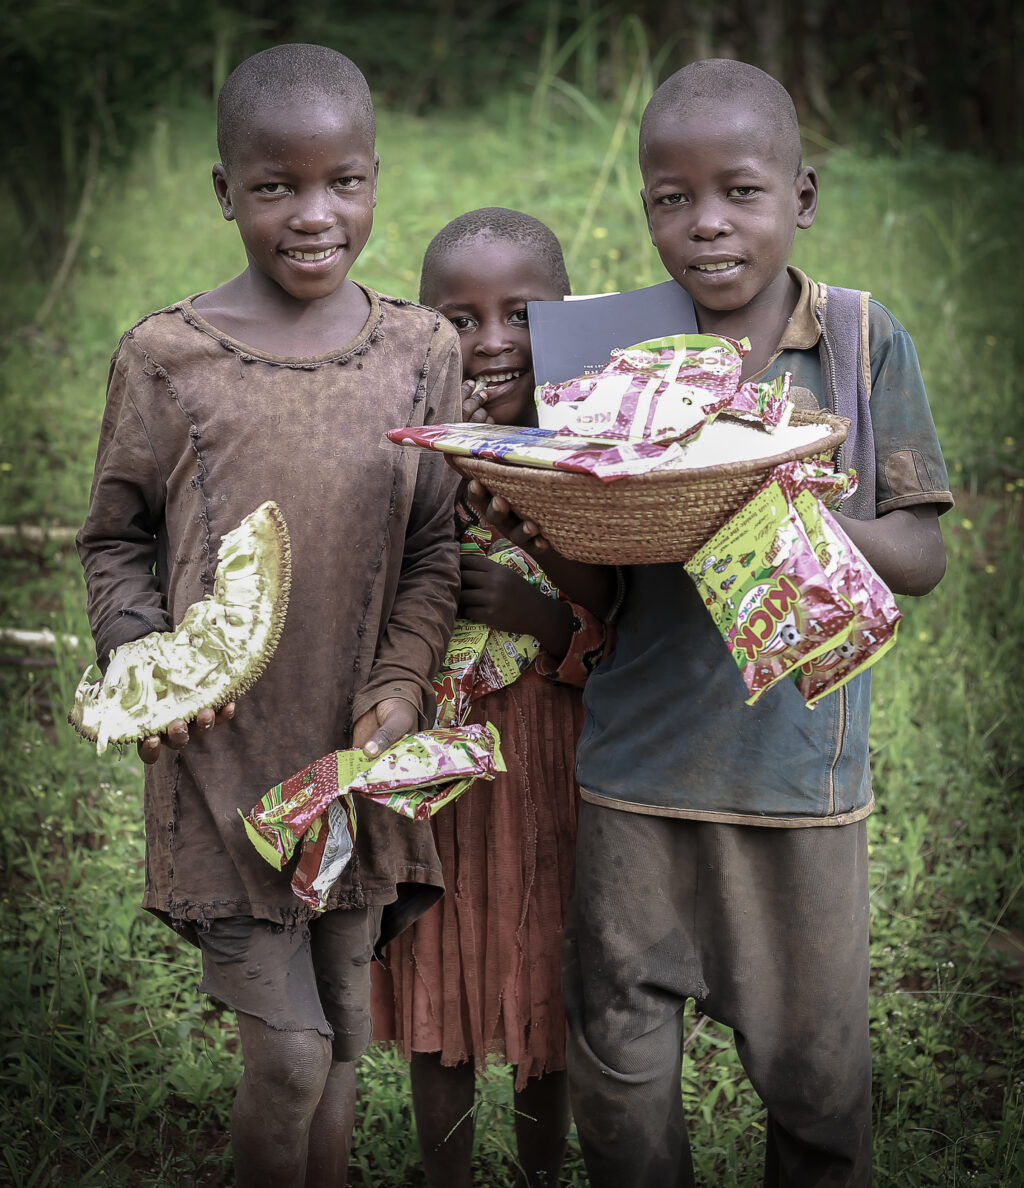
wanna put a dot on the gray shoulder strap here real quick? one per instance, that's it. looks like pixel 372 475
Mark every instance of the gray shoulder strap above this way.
pixel 846 360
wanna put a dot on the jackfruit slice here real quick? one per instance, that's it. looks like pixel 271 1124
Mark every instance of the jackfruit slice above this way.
pixel 218 650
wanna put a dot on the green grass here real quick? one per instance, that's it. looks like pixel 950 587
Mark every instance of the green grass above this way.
pixel 115 1072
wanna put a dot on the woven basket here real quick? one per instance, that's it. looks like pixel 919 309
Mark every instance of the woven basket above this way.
pixel 645 518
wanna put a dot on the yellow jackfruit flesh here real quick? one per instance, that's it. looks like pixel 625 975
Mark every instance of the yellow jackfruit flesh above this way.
pixel 217 652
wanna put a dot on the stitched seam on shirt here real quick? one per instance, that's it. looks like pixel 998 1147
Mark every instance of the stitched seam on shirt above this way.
pixel 199 480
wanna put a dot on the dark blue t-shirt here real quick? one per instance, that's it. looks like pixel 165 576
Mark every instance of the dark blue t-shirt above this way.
pixel 668 731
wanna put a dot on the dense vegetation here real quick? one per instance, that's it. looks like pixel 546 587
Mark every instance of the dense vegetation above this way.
pixel 114 1071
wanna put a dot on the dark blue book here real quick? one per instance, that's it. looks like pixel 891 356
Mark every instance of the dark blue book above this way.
pixel 576 337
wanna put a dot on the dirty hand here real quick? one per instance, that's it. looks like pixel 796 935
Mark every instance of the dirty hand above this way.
pixel 384 724
pixel 178 733
pixel 473 403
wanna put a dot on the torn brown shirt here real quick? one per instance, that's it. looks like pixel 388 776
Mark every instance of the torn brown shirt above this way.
pixel 199 430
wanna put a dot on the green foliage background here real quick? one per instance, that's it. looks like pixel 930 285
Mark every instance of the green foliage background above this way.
pixel 112 1070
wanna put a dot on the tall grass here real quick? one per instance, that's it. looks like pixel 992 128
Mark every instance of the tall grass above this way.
pixel 115 1072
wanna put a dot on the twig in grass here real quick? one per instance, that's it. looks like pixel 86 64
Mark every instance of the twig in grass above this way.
pixel 38 639
pixel 37 533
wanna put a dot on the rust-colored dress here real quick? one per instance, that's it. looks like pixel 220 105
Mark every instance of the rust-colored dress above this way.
pixel 480 973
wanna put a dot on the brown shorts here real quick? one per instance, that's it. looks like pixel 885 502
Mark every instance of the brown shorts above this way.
pixel 308 978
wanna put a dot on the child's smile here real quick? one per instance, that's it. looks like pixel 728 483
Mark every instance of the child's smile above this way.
pixel 302 192
pixel 482 288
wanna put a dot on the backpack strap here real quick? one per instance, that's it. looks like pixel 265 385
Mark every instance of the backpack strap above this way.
pixel 846 364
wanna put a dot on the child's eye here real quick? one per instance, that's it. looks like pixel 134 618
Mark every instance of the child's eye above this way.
pixel 272 189
pixel 518 317
pixel 743 191
pixel 348 183
pixel 672 200
pixel 463 322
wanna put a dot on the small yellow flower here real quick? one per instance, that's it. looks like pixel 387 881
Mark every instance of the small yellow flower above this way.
pixel 990 569
pixel 1008 441
pixel 991 339
pixel 614 253
pixel 967 525
pixel 600 232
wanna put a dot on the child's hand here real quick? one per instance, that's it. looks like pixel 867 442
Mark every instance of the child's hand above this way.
pixel 500 598
pixel 494 595
pixel 473 402
pixel 178 733
pixel 388 721
pixel 498 513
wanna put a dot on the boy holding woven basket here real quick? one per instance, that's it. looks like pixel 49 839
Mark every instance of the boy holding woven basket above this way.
pixel 722 850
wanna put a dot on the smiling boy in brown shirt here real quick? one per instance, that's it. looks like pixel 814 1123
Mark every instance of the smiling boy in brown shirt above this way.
pixel 278 385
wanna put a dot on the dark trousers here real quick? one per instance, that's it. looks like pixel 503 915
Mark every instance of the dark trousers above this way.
pixel 767 929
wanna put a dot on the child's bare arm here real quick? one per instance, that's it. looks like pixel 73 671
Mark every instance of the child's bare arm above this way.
pixel 904 547
pixel 592 586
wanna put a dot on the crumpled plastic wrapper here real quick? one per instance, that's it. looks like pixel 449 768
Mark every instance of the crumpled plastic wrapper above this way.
pixel 480 659
pixel 635 416
pixel 313 812
pixel 662 391
pixel 790 592
pixel 876 615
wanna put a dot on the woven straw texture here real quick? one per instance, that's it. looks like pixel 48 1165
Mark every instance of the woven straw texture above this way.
pixel 647 518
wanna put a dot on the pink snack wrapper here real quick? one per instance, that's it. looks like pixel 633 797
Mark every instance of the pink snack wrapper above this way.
pixel 415 777
pixel 790 592
pixel 876 615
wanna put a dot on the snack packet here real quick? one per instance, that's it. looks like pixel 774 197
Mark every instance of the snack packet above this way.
pixel 876 615
pixel 415 777
pixel 529 446
pixel 767 592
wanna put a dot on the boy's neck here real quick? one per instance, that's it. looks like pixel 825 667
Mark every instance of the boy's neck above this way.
pixel 255 311
pixel 763 321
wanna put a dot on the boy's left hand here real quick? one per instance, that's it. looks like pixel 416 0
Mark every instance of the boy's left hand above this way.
pixel 388 721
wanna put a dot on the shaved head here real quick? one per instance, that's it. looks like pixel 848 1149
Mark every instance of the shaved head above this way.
pixel 283 74
pixel 715 83
pixel 495 223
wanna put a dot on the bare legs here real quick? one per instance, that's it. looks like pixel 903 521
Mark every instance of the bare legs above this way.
pixel 292 1120
pixel 442 1099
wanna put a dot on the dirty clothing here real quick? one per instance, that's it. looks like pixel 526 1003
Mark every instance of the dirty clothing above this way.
pixel 198 431
pixel 766 929
pixel 671 699
pixel 311 978
pixel 480 973
pixel 701 869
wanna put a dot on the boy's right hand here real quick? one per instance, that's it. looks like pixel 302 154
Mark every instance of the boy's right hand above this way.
pixel 178 733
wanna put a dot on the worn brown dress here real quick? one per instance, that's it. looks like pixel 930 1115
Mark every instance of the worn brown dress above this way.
pixel 480 973
pixel 198 431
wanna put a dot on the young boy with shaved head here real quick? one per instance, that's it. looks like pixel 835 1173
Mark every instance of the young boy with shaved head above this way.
pixel 278 385
pixel 722 852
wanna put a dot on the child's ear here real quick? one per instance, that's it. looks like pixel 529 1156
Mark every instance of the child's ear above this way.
pixel 222 190
pixel 376 173
pixel 647 215
pixel 806 187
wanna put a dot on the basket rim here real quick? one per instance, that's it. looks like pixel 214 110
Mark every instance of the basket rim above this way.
pixel 473 466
